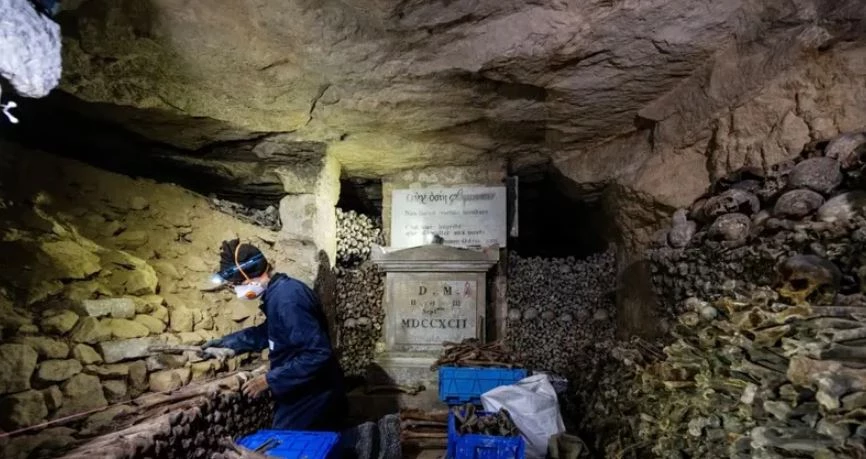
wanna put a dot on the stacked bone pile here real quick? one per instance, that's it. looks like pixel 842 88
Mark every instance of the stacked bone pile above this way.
pixel 423 429
pixel 738 233
pixel 269 217
pixel 473 353
pixel 748 376
pixel 561 316
pixel 98 268
pixel 468 421
pixel 359 291
pixel 189 423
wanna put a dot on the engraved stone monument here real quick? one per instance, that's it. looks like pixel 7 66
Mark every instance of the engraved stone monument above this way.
pixel 433 293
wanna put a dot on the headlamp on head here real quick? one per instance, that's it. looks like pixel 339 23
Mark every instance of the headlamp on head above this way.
pixel 226 276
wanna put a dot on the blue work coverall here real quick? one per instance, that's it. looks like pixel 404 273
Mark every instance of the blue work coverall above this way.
pixel 305 378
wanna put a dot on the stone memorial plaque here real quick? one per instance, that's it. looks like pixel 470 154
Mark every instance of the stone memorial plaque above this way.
pixel 425 313
pixel 463 217
pixel 433 293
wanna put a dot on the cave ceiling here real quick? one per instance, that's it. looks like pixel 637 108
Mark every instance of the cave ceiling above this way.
pixel 387 85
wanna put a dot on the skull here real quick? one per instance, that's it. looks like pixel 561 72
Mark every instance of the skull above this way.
pixel 733 200
pixel 808 278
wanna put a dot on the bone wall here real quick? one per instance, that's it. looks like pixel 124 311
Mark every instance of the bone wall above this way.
pixel 763 281
pixel 562 316
pixel 360 291
pixel 99 266
pixel 736 235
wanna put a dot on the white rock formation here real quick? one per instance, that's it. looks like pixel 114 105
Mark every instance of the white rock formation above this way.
pixel 29 49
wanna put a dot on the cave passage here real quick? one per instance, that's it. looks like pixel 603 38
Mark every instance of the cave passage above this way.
pixel 553 224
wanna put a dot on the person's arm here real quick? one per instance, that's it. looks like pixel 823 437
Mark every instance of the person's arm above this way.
pixel 252 339
pixel 307 334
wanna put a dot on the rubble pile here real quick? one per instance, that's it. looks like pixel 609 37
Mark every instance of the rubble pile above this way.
pixel 765 277
pixel 561 313
pixel 738 233
pixel 360 288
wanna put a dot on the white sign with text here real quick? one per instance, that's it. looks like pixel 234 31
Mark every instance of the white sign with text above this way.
pixel 463 217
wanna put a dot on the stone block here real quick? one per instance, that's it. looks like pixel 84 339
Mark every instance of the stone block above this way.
pixel 206 322
pixel 124 329
pixel 100 422
pixel 53 398
pixel 23 446
pixel 243 309
pixel 114 390
pixel 138 203
pixel 181 319
pixel 57 370
pixel 22 409
pixel 80 393
pixel 203 370
pixel 137 378
pixel 131 239
pixel 90 330
pixel 153 324
pixel 166 269
pixel 118 308
pixel 169 379
pixel 116 351
pixel 47 348
pixel 190 338
pixel 85 290
pixel 147 304
pixel 17 363
pixel 86 354
pixel 160 313
pixel 60 323
pixel 111 371
pixel 71 260
pixel 28 329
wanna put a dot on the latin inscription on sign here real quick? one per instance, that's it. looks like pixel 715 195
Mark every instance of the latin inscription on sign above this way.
pixel 426 313
pixel 462 217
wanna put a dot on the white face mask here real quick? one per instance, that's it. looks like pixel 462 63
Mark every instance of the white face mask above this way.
pixel 249 291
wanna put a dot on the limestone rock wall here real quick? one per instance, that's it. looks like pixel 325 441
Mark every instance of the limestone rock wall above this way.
pixel 729 122
pixel 99 266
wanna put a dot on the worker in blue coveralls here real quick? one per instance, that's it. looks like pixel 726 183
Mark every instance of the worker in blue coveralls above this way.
pixel 305 378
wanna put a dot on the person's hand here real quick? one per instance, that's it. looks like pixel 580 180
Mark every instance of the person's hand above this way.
pixel 256 386
pixel 219 353
pixel 216 342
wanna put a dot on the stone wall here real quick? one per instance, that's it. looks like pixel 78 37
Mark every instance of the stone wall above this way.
pixel 99 266
pixel 491 173
pixel 750 107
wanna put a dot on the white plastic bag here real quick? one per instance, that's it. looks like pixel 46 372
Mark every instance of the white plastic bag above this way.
pixel 533 407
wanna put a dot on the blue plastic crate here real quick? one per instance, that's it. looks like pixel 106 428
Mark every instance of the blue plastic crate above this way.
pixel 294 444
pixel 474 446
pixel 459 385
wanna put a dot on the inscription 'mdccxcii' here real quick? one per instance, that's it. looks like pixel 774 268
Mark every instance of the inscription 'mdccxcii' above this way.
pixel 427 312
pixel 434 323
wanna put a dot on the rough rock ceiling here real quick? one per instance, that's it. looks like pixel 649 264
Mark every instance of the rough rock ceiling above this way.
pixel 392 84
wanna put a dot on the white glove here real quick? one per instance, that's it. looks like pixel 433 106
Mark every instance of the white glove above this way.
pixel 219 353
